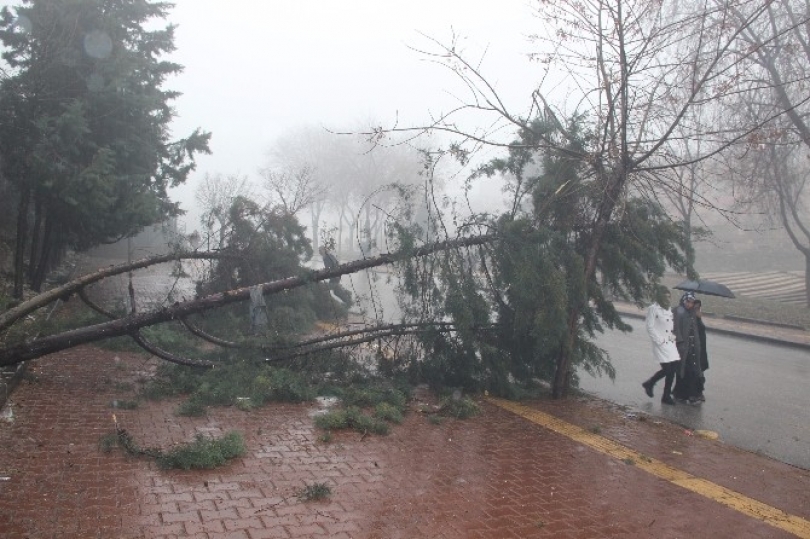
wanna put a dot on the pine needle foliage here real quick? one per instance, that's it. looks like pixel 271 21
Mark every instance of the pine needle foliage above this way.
pixel 512 302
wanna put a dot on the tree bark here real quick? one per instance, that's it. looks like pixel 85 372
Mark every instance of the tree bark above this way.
pixel 562 375
pixel 35 236
pixel 9 317
pixel 45 256
pixel 22 239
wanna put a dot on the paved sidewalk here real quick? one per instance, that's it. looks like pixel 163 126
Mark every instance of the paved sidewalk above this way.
pixel 497 475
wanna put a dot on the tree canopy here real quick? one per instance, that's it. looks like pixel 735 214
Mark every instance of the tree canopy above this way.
pixel 86 140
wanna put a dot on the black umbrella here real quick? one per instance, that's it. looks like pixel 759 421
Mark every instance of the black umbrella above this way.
pixel 710 288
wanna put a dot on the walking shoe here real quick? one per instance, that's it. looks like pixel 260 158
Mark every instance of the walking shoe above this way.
pixel 648 388
pixel 667 400
pixel 694 401
pixel 701 398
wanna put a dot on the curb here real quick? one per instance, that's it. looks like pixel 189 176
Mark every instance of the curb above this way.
pixel 763 322
pixel 741 335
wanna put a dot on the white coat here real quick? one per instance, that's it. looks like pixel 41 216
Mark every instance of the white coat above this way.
pixel 659 328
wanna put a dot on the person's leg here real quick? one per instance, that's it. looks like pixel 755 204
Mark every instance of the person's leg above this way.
pixel 649 384
pixel 669 375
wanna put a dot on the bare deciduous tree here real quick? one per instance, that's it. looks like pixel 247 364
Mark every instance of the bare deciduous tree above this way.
pixel 772 163
pixel 635 71
pixel 293 190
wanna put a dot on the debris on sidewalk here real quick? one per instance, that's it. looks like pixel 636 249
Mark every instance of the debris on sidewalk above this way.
pixel 707 434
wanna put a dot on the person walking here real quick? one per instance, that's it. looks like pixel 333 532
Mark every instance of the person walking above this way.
pixel 687 338
pixel 659 323
pixel 704 355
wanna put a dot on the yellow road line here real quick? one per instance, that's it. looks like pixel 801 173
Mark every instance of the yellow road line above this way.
pixel 734 500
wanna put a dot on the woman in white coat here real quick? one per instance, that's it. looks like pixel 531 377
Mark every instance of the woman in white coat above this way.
pixel 659 328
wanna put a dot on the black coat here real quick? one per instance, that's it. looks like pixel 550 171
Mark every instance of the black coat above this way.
pixel 704 356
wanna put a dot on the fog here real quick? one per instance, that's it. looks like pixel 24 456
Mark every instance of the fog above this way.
pixel 258 69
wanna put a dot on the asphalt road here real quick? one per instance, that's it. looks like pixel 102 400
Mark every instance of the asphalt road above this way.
pixel 757 395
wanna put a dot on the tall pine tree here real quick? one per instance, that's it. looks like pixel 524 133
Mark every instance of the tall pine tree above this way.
pixel 86 138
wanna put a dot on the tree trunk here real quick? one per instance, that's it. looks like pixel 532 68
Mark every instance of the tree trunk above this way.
pixel 562 375
pixel 35 236
pixel 129 325
pixel 22 239
pixel 45 256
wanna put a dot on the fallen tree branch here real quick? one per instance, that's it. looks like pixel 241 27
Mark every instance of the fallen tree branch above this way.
pixel 168 356
pixel 128 325
pixel 141 341
pixel 208 337
pixel 9 317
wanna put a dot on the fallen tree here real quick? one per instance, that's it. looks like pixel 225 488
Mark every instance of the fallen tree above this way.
pixel 131 324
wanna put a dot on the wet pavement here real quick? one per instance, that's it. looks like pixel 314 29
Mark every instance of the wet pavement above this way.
pixel 500 474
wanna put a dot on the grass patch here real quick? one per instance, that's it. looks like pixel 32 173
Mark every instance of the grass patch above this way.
pixel 460 408
pixel 388 412
pixel 315 491
pixel 246 384
pixel 203 453
pixel 351 417
pixel 191 408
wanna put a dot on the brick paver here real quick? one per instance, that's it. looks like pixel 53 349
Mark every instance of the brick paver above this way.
pixel 495 475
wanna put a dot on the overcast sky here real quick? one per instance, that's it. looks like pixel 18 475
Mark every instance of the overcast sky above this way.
pixel 257 68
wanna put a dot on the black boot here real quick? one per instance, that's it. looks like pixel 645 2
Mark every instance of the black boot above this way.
pixel 666 399
pixel 648 387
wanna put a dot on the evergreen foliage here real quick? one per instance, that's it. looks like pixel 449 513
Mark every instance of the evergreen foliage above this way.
pixel 229 384
pixel 86 140
pixel 267 244
pixel 511 304
pixel 203 453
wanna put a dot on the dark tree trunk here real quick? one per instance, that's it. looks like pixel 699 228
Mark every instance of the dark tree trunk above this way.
pixel 22 239
pixel 44 257
pixel 564 371
pixel 35 236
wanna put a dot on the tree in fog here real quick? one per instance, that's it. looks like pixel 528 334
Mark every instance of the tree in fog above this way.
pixel 215 196
pixel 86 140
pixel 292 190
pixel 771 165
pixel 345 176
pixel 631 72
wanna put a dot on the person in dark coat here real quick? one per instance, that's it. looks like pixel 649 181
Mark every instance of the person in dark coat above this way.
pixel 687 339
pixel 704 355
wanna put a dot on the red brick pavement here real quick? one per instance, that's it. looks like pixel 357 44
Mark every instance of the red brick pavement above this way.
pixel 495 475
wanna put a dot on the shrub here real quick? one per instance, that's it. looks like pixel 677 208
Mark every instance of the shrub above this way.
pixel 191 408
pixel 388 412
pixel 203 453
pixel 315 491
pixel 461 408
pixel 351 418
